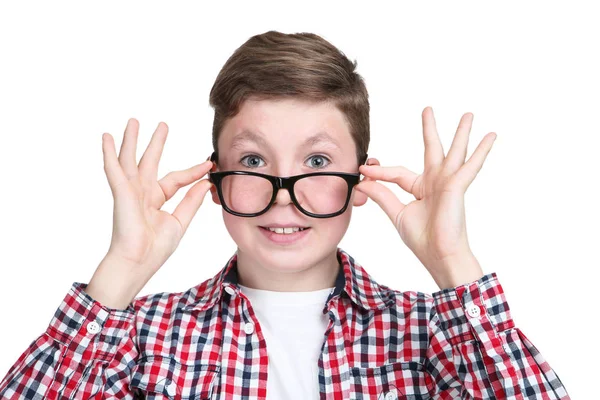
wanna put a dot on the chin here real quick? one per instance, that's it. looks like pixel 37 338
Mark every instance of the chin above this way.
pixel 293 259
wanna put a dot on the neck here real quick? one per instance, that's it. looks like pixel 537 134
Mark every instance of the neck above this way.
pixel 320 275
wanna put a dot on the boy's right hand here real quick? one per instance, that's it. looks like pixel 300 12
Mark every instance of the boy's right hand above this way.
pixel 144 236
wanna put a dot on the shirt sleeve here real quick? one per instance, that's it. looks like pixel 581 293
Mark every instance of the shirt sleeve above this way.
pixel 86 351
pixel 476 352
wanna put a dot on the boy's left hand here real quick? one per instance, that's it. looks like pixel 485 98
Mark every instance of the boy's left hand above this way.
pixel 433 226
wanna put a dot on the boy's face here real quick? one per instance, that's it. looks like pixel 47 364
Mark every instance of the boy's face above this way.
pixel 283 128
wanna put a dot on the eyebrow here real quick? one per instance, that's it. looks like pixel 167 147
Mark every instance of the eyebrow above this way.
pixel 248 136
pixel 259 139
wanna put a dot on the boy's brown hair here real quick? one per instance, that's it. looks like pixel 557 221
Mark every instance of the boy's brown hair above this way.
pixel 300 65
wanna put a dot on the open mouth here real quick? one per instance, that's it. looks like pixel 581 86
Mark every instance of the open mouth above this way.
pixel 285 236
pixel 285 231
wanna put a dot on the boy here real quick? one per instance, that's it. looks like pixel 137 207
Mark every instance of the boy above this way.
pixel 291 315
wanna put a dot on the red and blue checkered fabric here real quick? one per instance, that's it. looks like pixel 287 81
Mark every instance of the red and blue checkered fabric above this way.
pixel 206 343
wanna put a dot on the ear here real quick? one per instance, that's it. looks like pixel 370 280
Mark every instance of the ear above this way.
pixel 214 195
pixel 213 188
pixel 359 198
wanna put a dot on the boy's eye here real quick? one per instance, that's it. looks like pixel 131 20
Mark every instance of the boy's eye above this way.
pixel 319 161
pixel 253 161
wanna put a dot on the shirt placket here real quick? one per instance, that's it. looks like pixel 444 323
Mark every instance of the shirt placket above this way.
pixel 334 371
pixel 244 357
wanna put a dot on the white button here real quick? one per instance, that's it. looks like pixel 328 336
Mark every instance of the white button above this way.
pixel 171 389
pixel 249 327
pixel 391 396
pixel 93 327
pixel 473 311
pixel 229 290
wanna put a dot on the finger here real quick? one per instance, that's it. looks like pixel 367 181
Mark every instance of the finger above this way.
pixel 152 154
pixel 386 199
pixel 471 168
pixel 434 151
pixel 112 167
pixel 458 149
pixel 399 175
pixel 370 161
pixel 127 157
pixel 188 207
pixel 175 180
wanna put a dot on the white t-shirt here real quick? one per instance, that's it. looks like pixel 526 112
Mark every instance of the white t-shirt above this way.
pixel 294 328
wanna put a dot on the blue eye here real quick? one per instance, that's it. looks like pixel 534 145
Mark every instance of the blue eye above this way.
pixel 320 163
pixel 253 163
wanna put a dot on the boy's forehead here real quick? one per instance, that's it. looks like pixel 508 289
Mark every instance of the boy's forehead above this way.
pixel 289 123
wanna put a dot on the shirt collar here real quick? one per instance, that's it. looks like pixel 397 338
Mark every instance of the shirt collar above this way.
pixel 352 280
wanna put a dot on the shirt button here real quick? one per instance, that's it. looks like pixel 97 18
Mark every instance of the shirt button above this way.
pixel 473 311
pixel 249 328
pixel 93 327
pixel 171 390
pixel 391 396
pixel 229 290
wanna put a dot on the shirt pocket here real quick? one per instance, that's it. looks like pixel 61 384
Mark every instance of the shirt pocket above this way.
pixel 163 377
pixel 400 380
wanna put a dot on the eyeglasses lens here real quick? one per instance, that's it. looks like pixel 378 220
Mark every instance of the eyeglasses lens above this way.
pixel 320 194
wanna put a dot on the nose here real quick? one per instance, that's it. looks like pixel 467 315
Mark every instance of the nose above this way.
pixel 283 197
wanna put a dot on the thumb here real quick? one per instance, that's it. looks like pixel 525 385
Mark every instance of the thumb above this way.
pixel 384 197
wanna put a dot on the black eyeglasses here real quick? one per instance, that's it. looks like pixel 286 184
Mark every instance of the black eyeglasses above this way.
pixel 316 194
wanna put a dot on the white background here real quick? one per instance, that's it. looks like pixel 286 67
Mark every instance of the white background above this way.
pixel 529 72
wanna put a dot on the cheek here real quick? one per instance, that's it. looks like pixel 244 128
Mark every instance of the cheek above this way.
pixel 335 228
pixel 236 226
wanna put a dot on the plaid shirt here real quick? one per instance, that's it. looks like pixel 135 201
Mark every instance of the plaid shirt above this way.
pixel 206 343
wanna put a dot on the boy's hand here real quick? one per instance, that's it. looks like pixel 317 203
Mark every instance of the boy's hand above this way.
pixel 433 226
pixel 143 236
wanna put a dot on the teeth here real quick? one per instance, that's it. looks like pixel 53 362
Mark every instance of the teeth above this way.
pixel 285 230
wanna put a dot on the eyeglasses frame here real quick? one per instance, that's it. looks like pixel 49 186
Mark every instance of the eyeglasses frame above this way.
pixel 279 182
